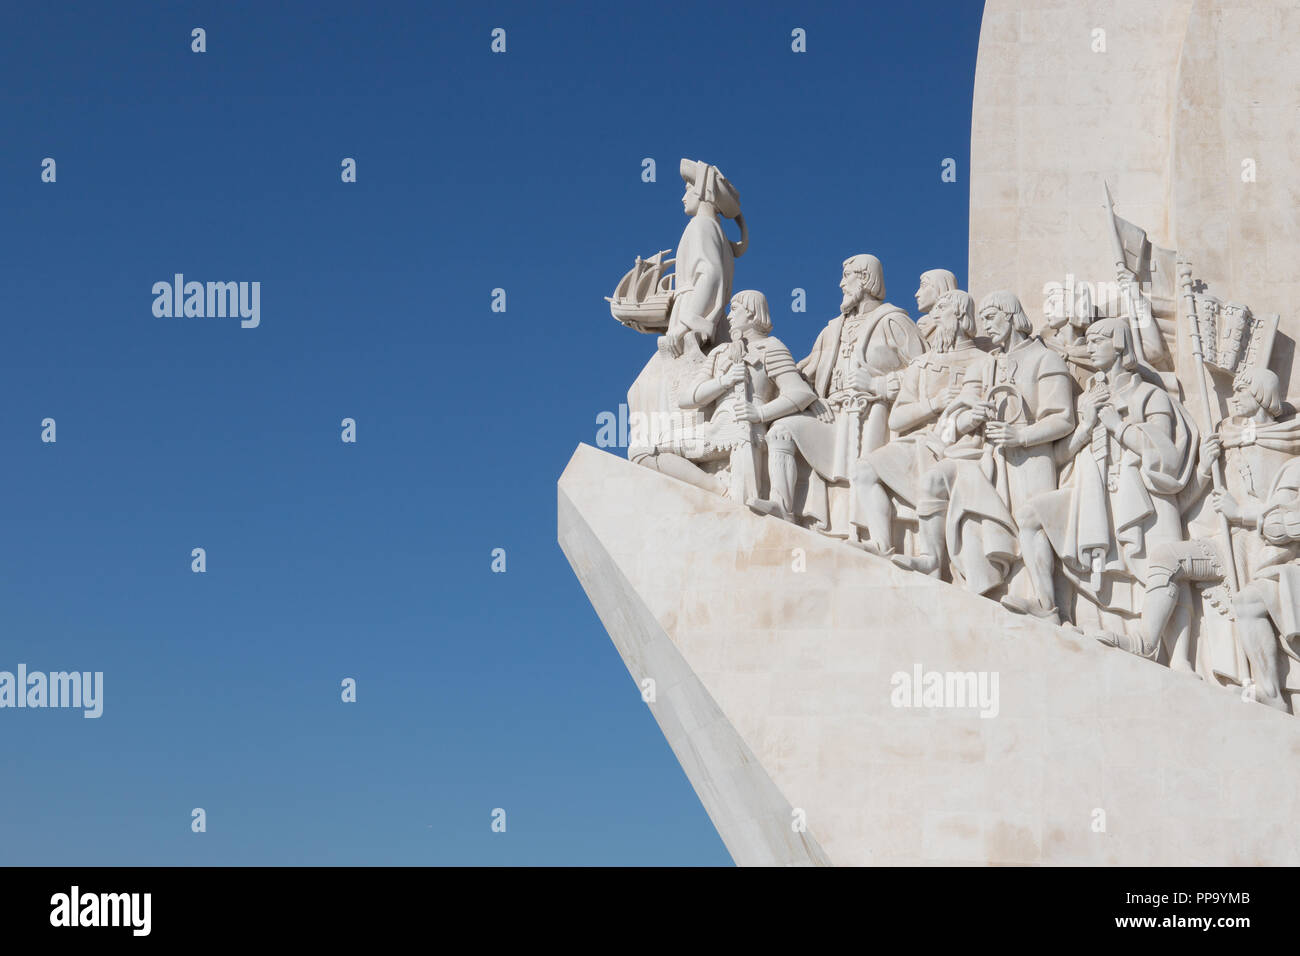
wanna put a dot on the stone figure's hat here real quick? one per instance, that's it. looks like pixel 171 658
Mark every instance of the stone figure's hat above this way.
pixel 712 186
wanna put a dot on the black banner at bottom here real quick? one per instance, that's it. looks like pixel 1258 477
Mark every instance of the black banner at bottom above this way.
pixel 179 905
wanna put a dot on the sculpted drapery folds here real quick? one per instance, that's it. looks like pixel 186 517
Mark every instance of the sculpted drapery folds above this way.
pixel 705 257
pixel 1261 478
pixel 977 504
pixel 1272 599
pixel 927 387
pixel 1130 457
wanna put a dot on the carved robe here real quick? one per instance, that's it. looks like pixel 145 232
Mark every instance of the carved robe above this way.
pixel 1254 455
pixel 1031 386
pixel 920 443
pixel 1117 501
pixel 1276 562
pixel 702 283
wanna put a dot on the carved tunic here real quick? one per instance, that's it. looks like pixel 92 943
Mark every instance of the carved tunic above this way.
pixel 1028 386
pixel 704 269
pixel 915 414
pixel 1122 496
pixel 1031 386
pixel 1280 528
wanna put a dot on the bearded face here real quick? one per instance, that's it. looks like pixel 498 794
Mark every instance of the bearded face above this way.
pixel 997 326
pixel 853 287
pixel 947 320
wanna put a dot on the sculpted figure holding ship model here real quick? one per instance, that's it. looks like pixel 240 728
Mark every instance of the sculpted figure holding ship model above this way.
pixel 705 257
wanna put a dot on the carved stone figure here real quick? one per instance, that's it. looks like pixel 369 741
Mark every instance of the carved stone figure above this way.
pixel 688 307
pixel 749 383
pixel 1020 398
pixel 705 256
pixel 1058 475
pixel 1131 455
pixel 1068 318
pixel 931 382
pixel 851 367
pixel 1256 448
pixel 934 284
pixel 1272 597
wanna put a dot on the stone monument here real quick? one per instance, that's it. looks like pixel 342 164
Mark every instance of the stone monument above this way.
pixel 1017 581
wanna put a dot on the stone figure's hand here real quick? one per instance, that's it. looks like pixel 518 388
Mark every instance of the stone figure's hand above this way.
pixel 1004 434
pixel 1123 277
pixel 978 414
pixel 1089 402
pixel 1225 505
pixel 676 343
pixel 892 386
pixel 1211 448
pixel 734 375
pixel 1110 418
pixel 861 381
pixel 750 414
pixel 949 395
pixel 821 412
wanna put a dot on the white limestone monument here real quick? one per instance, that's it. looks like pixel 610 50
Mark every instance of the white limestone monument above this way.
pixel 1017 582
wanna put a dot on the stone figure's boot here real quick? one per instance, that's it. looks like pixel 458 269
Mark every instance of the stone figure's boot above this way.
pixel 1258 641
pixel 1038 609
pixel 929 514
pixel 1251 691
pixel 873 503
pixel 1134 645
pixel 1276 701
pixel 780 478
pixel 767 506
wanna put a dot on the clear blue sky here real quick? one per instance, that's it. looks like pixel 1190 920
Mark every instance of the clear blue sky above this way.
pixel 372 560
